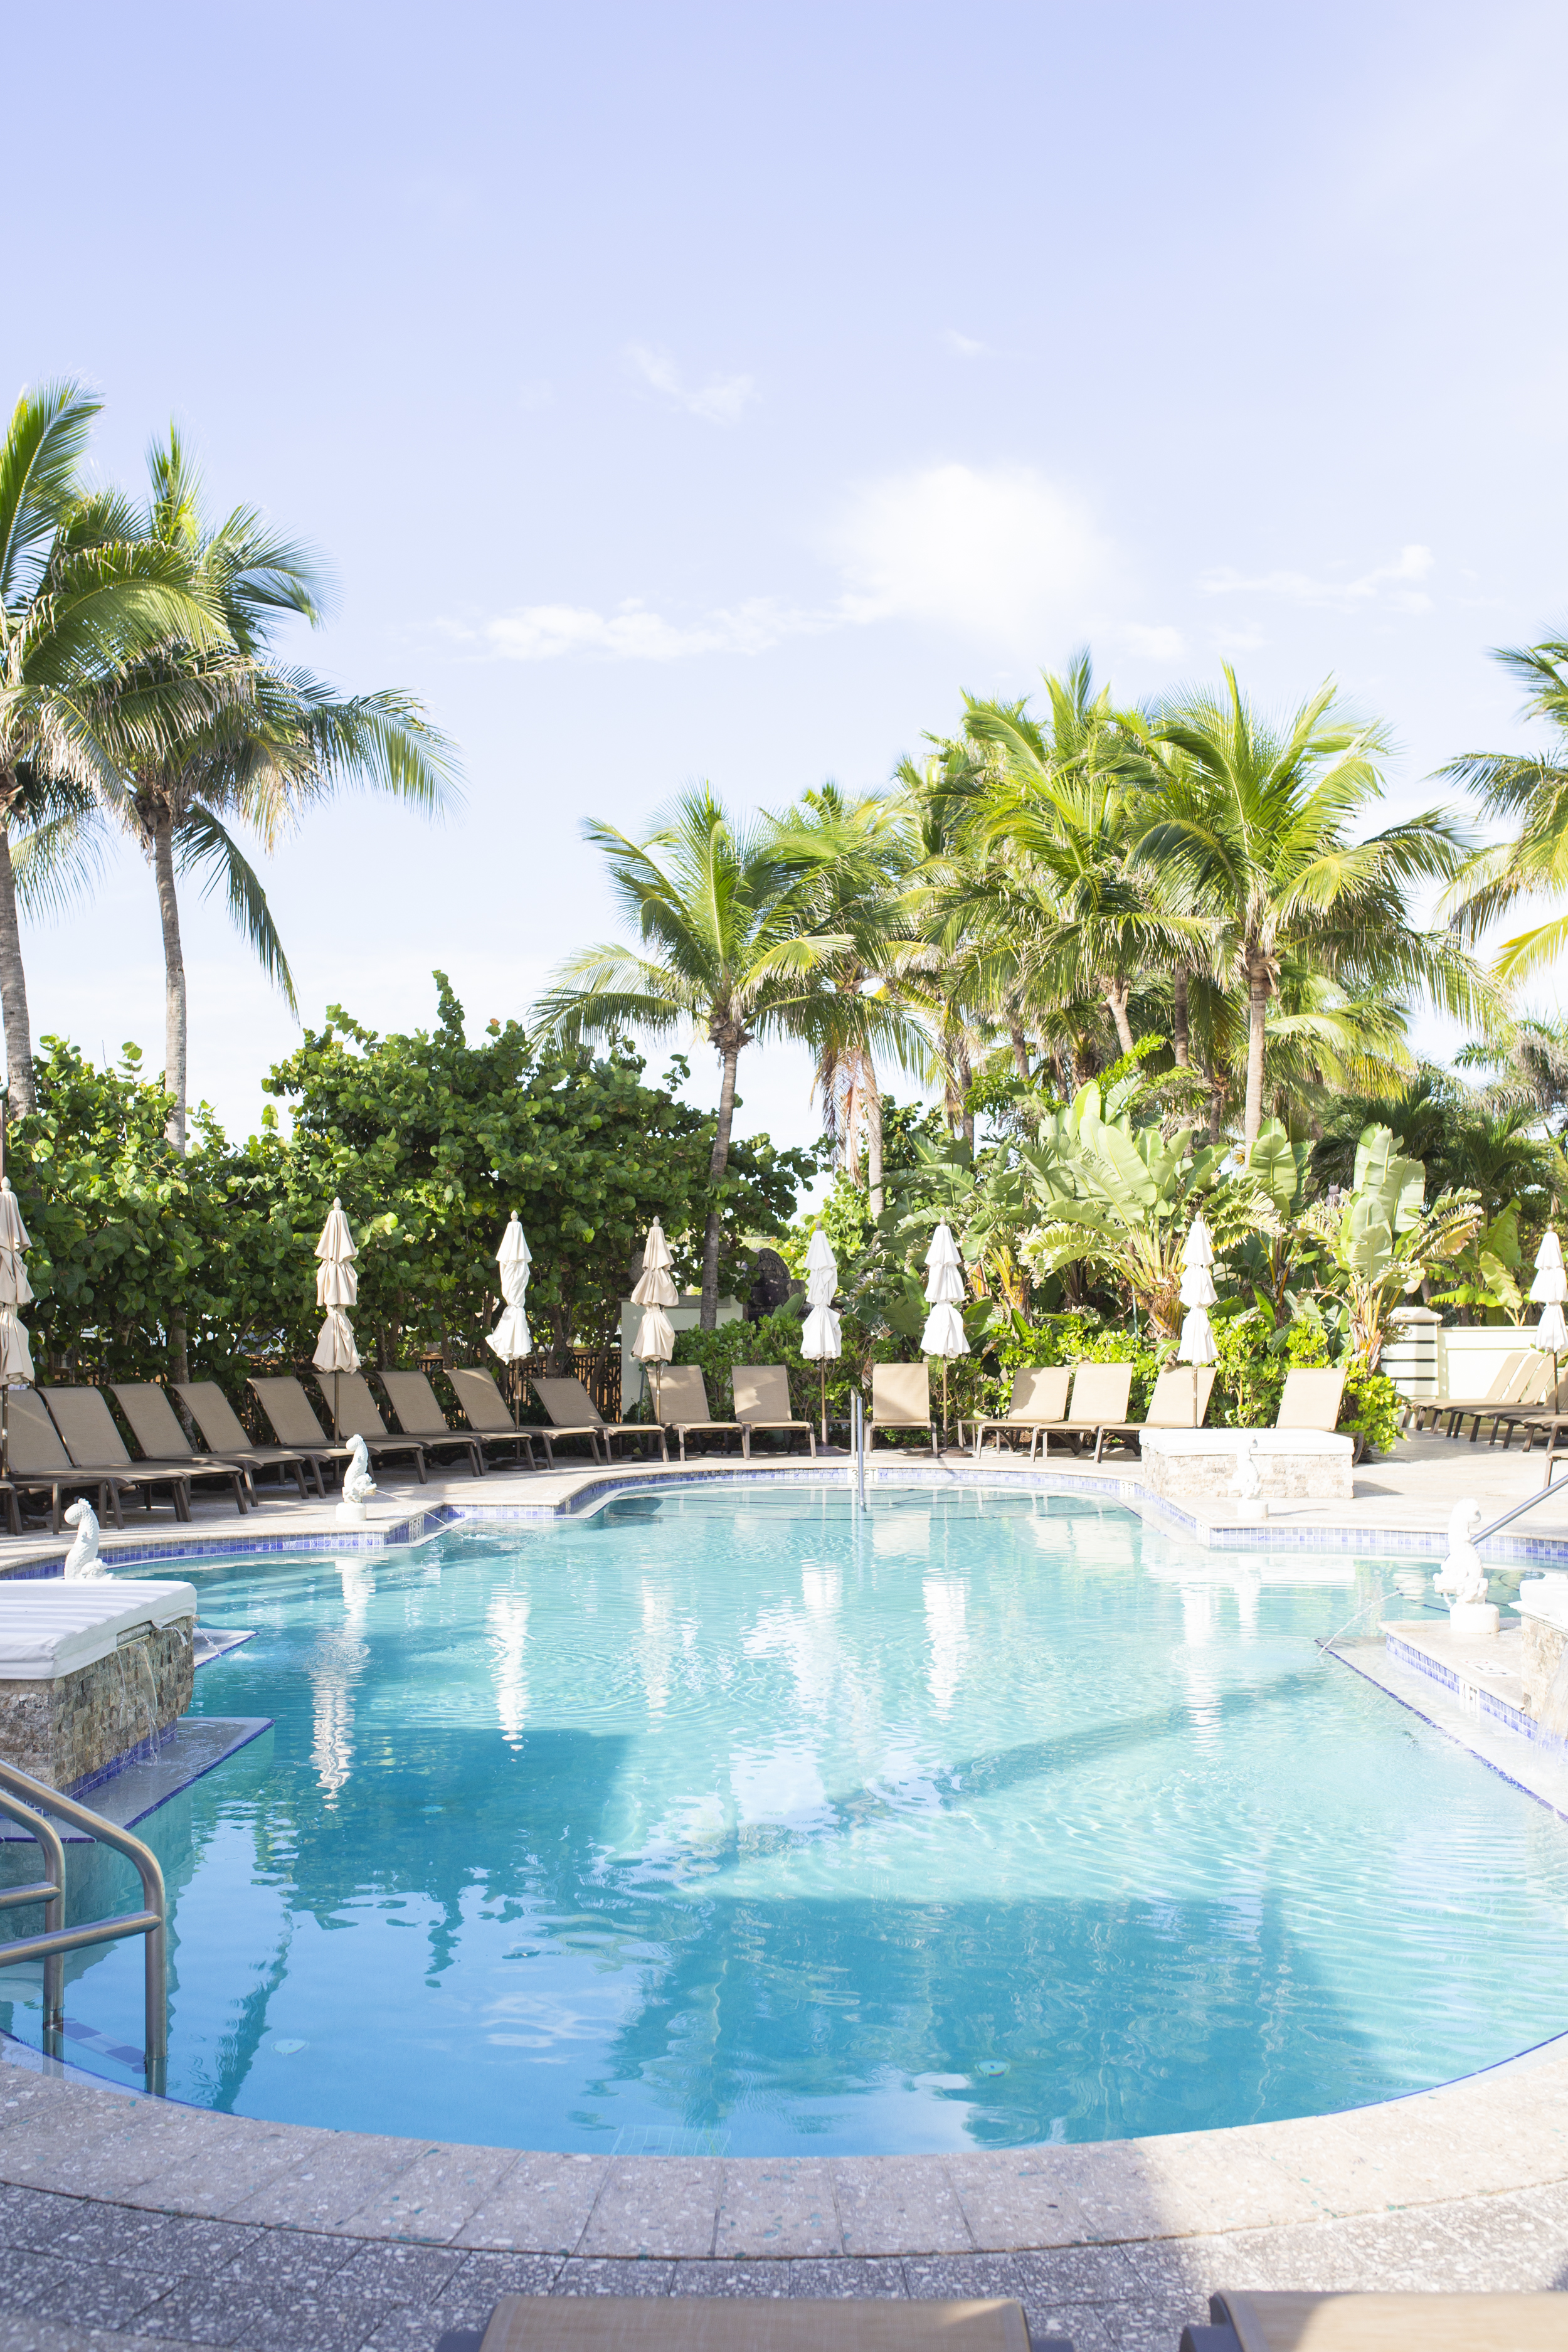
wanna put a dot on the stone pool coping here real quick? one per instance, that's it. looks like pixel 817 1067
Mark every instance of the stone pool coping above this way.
pixel 1495 2134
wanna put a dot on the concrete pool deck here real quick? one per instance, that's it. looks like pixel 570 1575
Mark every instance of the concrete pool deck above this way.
pixel 124 2219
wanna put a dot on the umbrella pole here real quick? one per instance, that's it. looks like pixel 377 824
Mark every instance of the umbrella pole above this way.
pixel 944 1401
pixel 5 1431
pixel 822 1393
pixel 337 1426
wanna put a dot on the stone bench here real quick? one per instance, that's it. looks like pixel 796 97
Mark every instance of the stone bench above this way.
pixel 1199 1466
pixel 91 1671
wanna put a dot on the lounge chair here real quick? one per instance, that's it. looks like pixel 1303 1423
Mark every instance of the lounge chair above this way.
pixel 1339 2321
pixel 89 1436
pixel 761 1402
pixel 226 1438
pixel 714 2323
pixel 573 1413
pixel 357 1412
pixel 156 1428
pixel 1180 1401
pixel 901 1399
pixel 1502 1388
pixel 484 1409
pixel 419 1415
pixel 683 1406
pixel 293 1421
pixel 1040 1401
pixel 1099 1396
pixel 1310 1400
pixel 1526 1392
pixel 40 1465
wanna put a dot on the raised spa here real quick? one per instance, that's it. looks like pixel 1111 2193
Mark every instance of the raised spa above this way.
pixel 732 1820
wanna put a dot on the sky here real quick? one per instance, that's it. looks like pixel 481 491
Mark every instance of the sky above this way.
pixel 712 393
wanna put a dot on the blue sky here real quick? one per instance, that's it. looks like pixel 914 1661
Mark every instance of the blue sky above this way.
pixel 702 390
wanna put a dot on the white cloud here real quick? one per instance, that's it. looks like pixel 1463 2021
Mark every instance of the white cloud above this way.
pixel 631 633
pixel 1156 644
pixel 998 555
pixel 964 347
pixel 718 402
pixel 1393 584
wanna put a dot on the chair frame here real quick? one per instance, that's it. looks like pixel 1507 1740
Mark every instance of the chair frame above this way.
pixel 892 1421
pixel 750 1423
pixel 432 1438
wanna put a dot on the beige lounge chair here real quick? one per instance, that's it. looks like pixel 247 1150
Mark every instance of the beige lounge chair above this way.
pixel 225 1437
pixel 1099 1397
pixel 1180 1401
pixel 89 1436
pixel 683 1406
pixel 292 1420
pixel 485 1409
pixel 156 1427
pixel 359 1415
pixel 1310 1400
pixel 1526 1392
pixel 901 1399
pixel 40 1465
pixel 419 1415
pixel 1334 2321
pixel 1504 1387
pixel 1039 1400
pixel 714 2323
pixel 573 1413
pixel 763 1401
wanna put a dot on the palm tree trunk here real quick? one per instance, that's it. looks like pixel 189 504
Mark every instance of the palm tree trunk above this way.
pixel 963 1073
pixel 1020 1046
pixel 1117 992
pixel 873 1139
pixel 1181 1032
pixel 1258 1000
pixel 173 981
pixel 716 1167
pixel 13 979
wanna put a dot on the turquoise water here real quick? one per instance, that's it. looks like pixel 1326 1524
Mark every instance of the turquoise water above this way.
pixel 730 1821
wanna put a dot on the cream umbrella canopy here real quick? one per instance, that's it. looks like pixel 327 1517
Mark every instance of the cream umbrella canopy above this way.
pixel 821 1336
pixel 15 1357
pixel 653 1292
pixel 337 1289
pixel 1196 1344
pixel 1548 1292
pixel 511 1338
pixel 943 1333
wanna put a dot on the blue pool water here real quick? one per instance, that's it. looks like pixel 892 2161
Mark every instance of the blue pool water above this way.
pixel 728 1820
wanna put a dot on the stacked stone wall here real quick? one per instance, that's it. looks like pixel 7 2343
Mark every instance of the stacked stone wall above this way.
pixel 64 1732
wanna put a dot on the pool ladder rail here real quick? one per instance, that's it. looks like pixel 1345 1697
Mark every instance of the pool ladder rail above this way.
pixel 27 1802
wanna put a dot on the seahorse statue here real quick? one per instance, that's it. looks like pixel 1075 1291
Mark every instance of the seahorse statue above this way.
pixel 82 1558
pixel 358 1484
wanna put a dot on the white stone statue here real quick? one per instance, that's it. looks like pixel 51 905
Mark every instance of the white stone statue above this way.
pixel 82 1558
pixel 358 1484
pixel 1247 1492
pixel 1463 1574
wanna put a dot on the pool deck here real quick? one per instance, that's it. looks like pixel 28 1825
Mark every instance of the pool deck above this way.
pixel 127 2219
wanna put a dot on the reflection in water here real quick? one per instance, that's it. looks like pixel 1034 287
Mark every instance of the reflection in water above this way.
pixel 507 1621
pixel 337 1663
pixel 945 1607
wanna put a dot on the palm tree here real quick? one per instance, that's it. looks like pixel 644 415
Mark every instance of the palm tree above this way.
pixel 77 598
pixel 1254 820
pixel 853 887
pixel 262 743
pixel 727 948
pixel 1531 790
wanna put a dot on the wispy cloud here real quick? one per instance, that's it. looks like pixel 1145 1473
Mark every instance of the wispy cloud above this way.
pixel 1000 555
pixel 1159 643
pixel 1393 584
pixel 721 402
pixel 964 347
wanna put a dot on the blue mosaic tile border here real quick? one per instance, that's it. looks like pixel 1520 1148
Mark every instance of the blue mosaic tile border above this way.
pixel 1486 1702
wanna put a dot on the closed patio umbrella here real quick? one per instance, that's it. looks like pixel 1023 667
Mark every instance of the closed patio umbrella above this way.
pixel 943 1333
pixel 1548 1292
pixel 15 1357
pixel 653 1292
pixel 821 1336
pixel 1196 1344
pixel 511 1338
pixel 337 1289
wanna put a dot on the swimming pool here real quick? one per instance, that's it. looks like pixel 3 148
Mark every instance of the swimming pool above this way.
pixel 731 1821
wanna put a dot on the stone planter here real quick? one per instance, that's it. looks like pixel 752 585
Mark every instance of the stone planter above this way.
pixel 1199 1466
pixel 90 1671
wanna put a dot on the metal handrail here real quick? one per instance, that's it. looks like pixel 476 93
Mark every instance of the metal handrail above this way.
pixel 26 1801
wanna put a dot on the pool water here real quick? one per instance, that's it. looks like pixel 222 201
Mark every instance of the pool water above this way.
pixel 736 1822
